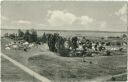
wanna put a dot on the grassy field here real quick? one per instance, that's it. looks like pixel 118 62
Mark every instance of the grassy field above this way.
pixel 11 73
pixel 68 69
pixel 71 68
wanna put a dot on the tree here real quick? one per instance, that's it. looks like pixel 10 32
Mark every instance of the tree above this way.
pixel 49 41
pixel 53 42
pixel 34 35
pixel 27 36
pixel 60 44
pixel 74 42
pixel 44 38
pixel 124 35
pixel 20 33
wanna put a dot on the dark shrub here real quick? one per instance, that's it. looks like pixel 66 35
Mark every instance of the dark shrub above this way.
pixel 108 53
pixel 64 52
pixel 113 78
pixel 118 43
pixel 12 36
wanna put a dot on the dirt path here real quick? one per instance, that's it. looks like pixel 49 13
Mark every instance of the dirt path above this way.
pixel 105 78
pixel 27 70
pixel 119 75
pixel 101 78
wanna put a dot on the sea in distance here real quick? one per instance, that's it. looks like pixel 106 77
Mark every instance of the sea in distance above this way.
pixel 70 33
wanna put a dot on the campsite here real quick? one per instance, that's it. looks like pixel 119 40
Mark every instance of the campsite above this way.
pixel 60 63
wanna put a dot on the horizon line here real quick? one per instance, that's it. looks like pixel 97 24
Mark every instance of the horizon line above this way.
pixel 68 30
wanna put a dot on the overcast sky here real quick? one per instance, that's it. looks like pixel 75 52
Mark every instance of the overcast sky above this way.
pixel 102 16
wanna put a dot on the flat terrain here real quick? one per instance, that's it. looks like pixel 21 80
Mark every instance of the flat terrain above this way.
pixel 68 69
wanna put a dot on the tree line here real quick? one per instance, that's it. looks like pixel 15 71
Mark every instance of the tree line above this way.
pixel 56 43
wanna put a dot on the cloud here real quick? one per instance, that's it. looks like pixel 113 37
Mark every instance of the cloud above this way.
pixel 103 24
pixel 23 22
pixel 62 18
pixel 18 22
pixel 122 13
pixel 85 20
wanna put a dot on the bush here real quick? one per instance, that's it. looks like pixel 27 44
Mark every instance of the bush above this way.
pixel 108 44
pixel 118 43
pixel 113 78
pixel 108 53
pixel 64 52
pixel 12 36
